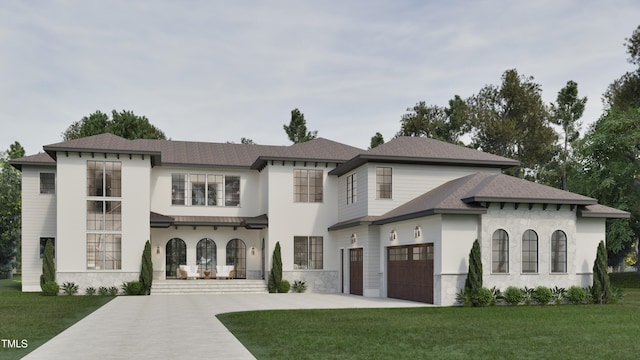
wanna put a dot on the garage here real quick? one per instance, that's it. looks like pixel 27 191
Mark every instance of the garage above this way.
pixel 410 272
pixel 355 271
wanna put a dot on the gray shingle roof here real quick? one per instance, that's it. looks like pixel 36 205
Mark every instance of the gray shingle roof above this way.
pixel 419 150
pixel 39 159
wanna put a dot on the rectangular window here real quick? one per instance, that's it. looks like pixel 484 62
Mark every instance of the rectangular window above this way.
pixel 307 185
pixel 214 190
pixel 104 215
pixel 47 183
pixel 198 188
pixel 307 252
pixel 352 189
pixel 205 190
pixel 104 178
pixel 178 189
pixel 103 251
pixel 232 191
pixel 399 254
pixel 384 183
pixel 43 243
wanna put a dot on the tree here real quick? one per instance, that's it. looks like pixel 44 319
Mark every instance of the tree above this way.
pixel 512 121
pixel 10 210
pixel 275 276
pixel 48 265
pixel 146 271
pixel 246 141
pixel 473 283
pixel 376 140
pixel 124 124
pixel 623 92
pixel 440 123
pixel 297 129
pixel 566 113
pixel 601 288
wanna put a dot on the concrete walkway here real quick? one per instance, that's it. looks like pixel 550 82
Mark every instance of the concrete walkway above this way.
pixel 180 326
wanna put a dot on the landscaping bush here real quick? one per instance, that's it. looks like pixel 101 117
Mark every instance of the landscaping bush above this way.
pixel 113 291
pixel 527 295
pixel 50 288
pixel 70 288
pixel 542 295
pixel 275 276
pixel 146 272
pixel 103 291
pixel 576 295
pixel 284 286
pixel 133 288
pixel 484 297
pixel 90 291
pixel 513 295
pixel 558 295
pixel 299 286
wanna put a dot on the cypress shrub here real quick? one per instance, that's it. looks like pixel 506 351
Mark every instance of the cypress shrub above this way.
pixel 473 283
pixel 146 272
pixel 601 289
pixel 275 276
pixel 48 265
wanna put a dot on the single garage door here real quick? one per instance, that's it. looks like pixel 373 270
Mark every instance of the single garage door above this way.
pixel 355 271
pixel 410 272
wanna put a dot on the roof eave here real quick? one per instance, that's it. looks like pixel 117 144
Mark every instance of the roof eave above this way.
pixel 430 212
pixel 495 199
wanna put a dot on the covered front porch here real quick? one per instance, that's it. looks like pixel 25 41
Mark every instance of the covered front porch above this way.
pixel 208 246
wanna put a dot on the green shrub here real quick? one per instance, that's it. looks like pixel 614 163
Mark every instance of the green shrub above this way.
pixel 576 295
pixel 275 276
pixel 616 295
pixel 50 288
pixel 558 295
pixel 513 295
pixel 103 291
pixel 284 286
pixel 113 291
pixel 464 298
pixel 542 295
pixel 70 288
pixel 484 297
pixel 527 295
pixel 133 288
pixel 146 271
pixel 90 291
pixel 497 295
pixel 299 286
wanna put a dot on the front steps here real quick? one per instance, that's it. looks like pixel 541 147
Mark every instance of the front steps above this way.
pixel 222 286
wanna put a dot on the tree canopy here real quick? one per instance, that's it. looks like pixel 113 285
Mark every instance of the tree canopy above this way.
pixel 10 209
pixel 376 140
pixel 297 128
pixel 125 124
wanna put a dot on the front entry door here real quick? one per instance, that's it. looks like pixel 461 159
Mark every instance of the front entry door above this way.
pixel 355 271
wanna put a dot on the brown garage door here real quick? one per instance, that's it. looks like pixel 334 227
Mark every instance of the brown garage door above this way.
pixel 355 271
pixel 410 272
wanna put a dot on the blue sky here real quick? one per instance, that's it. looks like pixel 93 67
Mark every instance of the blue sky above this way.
pixel 220 70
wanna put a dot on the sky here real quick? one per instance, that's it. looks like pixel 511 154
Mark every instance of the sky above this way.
pixel 217 71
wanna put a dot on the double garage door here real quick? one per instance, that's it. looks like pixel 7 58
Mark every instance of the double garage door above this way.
pixel 410 272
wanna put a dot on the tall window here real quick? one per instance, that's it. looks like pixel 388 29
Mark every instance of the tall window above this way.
pixel 205 190
pixel 352 188
pixel 206 254
pixel 384 183
pixel 104 215
pixel 307 185
pixel 47 183
pixel 559 252
pixel 530 252
pixel 500 252
pixel 307 252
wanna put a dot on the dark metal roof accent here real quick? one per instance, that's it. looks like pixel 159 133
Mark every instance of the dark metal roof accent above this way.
pixel 365 220
pixel 255 222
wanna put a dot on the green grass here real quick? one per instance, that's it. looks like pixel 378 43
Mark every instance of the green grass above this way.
pixel 500 332
pixel 36 318
pixel 625 279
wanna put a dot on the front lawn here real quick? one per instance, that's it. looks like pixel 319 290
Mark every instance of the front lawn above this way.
pixel 35 318
pixel 499 332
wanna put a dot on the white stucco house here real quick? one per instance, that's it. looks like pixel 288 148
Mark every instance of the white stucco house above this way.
pixel 395 221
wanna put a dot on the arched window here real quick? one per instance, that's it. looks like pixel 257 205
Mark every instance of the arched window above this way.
pixel 559 252
pixel 176 255
pixel 500 252
pixel 206 254
pixel 237 256
pixel 529 252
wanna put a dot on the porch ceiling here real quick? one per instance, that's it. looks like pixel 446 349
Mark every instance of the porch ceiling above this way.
pixel 254 222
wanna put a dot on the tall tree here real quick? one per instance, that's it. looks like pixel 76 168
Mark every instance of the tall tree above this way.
pixel 125 124
pixel 48 265
pixel 601 287
pixel 275 276
pixel 10 210
pixel 624 92
pixel 297 128
pixel 473 283
pixel 567 112
pixel 512 120
pixel 432 121
pixel 376 140
pixel 146 270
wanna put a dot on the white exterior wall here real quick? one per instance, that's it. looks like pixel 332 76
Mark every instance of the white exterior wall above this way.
pixel 72 214
pixel 452 264
pixel 589 233
pixel 38 220
pixel 358 208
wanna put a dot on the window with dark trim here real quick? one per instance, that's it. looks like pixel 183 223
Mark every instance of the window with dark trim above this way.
pixel 352 188
pixel 104 178
pixel 500 252
pixel 47 183
pixel 307 252
pixel 559 252
pixel 307 185
pixel 384 183
pixel 205 190
pixel 529 252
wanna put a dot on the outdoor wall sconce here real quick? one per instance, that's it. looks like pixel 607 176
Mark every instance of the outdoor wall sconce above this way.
pixel 354 238
pixel 417 232
pixel 393 236
pixel 253 250
pixel 158 249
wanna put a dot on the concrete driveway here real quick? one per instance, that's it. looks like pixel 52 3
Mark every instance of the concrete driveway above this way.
pixel 180 326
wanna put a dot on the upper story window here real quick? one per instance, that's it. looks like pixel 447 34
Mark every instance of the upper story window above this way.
pixel 384 183
pixel 47 183
pixel 307 185
pixel 104 178
pixel 352 188
pixel 559 252
pixel 500 252
pixel 205 190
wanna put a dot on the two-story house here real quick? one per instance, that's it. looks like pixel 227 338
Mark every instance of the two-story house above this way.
pixel 395 221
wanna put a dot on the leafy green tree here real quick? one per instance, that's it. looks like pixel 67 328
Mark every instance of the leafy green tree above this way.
pixel 48 265
pixel 146 271
pixel 567 112
pixel 624 92
pixel 10 210
pixel 275 276
pixel 246 141
pixel 432 121
pixel 512 120
pixel 473 283
pixel 601 289
pixel 125 124
pixel 376 140
pixel 297 128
